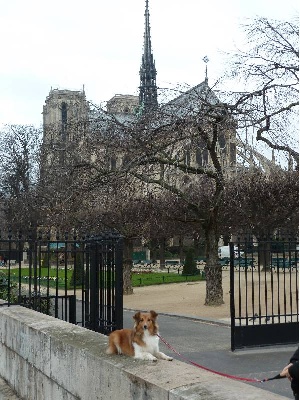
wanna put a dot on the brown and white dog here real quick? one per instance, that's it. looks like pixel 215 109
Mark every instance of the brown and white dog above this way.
pixel 141 342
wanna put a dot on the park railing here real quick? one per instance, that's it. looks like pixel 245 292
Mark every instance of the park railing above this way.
pixel 264 292
pixel 77 279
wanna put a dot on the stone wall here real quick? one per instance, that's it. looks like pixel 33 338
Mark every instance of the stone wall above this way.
pixel 44 358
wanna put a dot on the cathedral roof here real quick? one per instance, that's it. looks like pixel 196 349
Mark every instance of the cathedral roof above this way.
pixel 194 97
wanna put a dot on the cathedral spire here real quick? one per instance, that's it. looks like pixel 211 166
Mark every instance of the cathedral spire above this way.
pixel 148 88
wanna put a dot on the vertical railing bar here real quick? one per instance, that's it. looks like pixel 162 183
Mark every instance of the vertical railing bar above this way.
pixel 290 278
pixel 232 295
pixel 284 282
pixel 259 278
pixel 86 304
pixel 9 269
pixel 119 284
pixel 272 285
pixel 20 268
pixel 102 280
pixel 67 243
pixel 265 267
pixel 252 282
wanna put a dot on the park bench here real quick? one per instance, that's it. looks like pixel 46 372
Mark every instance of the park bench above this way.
pixel 244 263
pixel 172 263
pixel 146 262
pixel 294 261
pixel 200 260
pixel 142 262
pixel 224 262
pixel 283 263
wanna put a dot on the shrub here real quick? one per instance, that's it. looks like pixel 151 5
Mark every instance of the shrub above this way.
pixel 189 267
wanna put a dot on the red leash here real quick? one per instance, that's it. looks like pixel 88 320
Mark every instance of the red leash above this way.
pixel 208 369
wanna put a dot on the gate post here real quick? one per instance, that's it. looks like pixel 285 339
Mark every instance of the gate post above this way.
pixel 232 300
pixel 94 287
pixel 119 283
pixel 72 309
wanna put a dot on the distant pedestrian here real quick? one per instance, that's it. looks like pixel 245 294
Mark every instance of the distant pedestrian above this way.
pixel 291 371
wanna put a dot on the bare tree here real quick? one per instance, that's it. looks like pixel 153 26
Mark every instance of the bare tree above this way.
pixel 19 169
pixel 266 76
pixel 262 204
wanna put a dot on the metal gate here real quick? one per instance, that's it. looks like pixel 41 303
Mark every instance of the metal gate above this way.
pixel 75 279
pixel 264 293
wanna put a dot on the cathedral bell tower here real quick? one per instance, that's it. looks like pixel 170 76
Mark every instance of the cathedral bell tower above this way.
pixel 148 88
pixel 65 118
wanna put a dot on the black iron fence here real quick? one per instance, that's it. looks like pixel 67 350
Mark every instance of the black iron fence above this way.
pixel 75 279
pixel 264 292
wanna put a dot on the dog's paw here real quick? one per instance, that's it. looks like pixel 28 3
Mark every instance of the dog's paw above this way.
pixel 163 356
pixel 146 357
pixel 150 357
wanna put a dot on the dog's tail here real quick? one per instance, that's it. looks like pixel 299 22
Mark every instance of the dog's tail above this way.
pixel 111 350
pixel 113 345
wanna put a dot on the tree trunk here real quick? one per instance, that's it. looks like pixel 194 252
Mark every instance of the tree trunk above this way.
pixel 181 252
pixel 153 250
pixel 196 245
pixel 264 255
pixel 127 266
pixel 214 290
pixel 162 258
pixel 213 270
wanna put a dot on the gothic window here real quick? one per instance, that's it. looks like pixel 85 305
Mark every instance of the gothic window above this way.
pixel 205 156
pixel 125 161
pixel 232 153
pixel 199 156
pixel 64 113
pixel 188 158
pixel 64 118
pixel 113 163
pixel 222 141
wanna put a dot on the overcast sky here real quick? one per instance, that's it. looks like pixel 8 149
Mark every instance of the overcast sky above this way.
pixel 98 43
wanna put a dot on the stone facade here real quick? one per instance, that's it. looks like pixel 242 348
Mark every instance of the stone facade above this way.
pixel 64 108
pixel 123 104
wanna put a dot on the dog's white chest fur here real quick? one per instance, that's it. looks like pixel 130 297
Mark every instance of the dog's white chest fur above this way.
pixel 151 350
pixel 151 342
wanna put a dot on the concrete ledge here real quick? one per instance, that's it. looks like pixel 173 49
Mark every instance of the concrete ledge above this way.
pixel 44 358
pixel 6 393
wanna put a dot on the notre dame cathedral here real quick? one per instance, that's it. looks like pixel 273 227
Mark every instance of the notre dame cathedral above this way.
pixel 65 106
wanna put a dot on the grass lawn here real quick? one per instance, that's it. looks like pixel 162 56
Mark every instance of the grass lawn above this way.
pixel 138 279
pixel 55 276
pixel 157 278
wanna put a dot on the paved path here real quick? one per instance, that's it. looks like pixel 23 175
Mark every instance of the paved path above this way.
pixel 208 344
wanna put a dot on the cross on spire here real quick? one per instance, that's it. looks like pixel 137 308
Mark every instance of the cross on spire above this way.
pixel 205 59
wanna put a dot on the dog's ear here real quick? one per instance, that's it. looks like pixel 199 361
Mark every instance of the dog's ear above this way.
pixel 137 316
pixel 153 314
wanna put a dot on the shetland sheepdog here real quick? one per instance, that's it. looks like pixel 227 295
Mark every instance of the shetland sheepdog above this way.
pixel 141 342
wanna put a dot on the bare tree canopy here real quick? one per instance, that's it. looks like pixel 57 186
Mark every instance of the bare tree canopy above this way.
pixel 19 173
pixel 267 78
